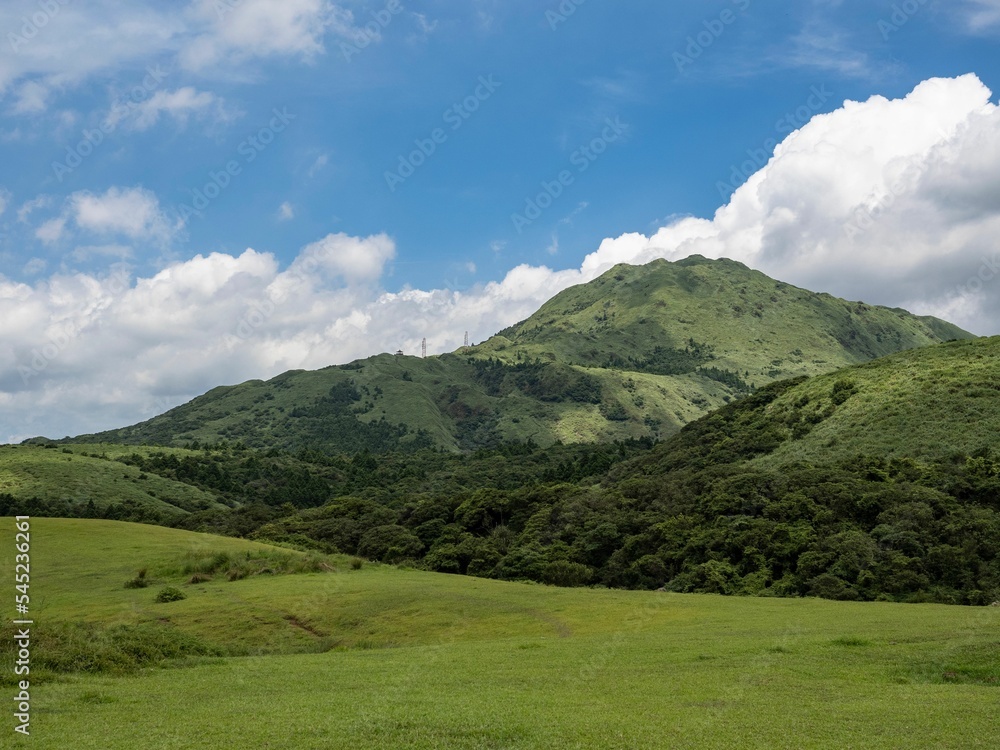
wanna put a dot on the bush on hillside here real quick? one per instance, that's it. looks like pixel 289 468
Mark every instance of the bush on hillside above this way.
pixel 170 594
pixel 140 581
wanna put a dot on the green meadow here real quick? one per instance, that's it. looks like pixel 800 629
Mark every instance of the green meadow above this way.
pixel 272 648
pixel 73 476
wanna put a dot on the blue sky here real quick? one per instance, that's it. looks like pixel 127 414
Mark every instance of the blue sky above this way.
pixel 355 118
pixel 426 129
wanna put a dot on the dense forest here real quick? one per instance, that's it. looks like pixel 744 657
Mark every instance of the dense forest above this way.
pixel 695 513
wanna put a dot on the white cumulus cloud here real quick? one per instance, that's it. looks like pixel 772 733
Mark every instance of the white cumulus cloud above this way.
pixel 132 212
pixel 895 202
pixel 349 258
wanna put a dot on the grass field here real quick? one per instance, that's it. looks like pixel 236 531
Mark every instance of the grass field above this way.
pixel 387 658
pixel 70 474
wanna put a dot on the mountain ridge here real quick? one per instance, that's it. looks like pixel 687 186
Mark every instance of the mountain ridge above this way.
pixel 638 352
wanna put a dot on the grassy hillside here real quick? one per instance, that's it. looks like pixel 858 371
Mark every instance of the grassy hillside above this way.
pixel 391 658
pixel 758 328
pixel 639 352
pixel 930 403
pixel 880 481
pixel 80 568
pixel 72 478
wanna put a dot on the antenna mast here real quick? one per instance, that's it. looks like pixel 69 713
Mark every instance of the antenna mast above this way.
pixel 466 338
pixel 423 348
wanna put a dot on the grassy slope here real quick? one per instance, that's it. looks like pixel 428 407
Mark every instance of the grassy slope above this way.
pixel 51 474
pixel 762 329
pixel 483 664
pixel 932 402
pixel 756 324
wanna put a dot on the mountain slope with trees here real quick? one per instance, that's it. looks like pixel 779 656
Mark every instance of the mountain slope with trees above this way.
pixel 639 352
pixel 878 481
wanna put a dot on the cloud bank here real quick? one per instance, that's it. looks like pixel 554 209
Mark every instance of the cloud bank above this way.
pixel 895 202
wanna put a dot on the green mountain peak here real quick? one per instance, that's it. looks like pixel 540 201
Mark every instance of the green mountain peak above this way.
pixel 638 352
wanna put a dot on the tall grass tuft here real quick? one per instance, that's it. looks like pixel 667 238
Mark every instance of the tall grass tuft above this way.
pixel 140 581
pixel 71 647
pixel 202 565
